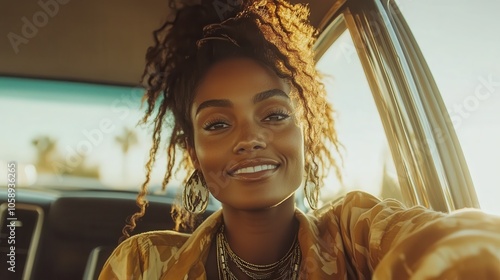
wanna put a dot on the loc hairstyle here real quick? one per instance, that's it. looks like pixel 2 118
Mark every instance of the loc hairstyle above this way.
pixel 274 33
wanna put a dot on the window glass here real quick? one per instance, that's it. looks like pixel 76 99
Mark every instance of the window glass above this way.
pixel 74 135
pixel 367 161
pixel 464 58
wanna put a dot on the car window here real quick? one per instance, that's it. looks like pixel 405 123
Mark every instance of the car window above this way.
pixel 74 135
pixel 367 160
pixel 464 58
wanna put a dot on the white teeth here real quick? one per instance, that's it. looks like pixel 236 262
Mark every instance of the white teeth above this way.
pixel 253 169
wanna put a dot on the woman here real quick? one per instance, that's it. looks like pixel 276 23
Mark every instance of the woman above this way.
pixel 248 110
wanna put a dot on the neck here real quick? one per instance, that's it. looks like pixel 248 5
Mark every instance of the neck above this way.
pixel 263 236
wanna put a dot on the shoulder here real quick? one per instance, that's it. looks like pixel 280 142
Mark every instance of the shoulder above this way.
pixel 345 210
pixel 355 199
pixel 143 254
pixel 356 203
pixel 161 243
pixel 359 208
pixel 161 238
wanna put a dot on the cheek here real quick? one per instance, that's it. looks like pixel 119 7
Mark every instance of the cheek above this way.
pixel 291 146
pixel 290 142
pixel 211 153
pixel 206 150
pixel 212 157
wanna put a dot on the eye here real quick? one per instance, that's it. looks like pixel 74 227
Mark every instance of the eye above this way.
pixel 277 116
pixel 215 125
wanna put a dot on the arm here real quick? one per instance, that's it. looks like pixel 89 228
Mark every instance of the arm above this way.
pixel 385 240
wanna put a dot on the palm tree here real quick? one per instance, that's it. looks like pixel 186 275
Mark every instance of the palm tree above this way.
pixel 46 153
pixel 127 139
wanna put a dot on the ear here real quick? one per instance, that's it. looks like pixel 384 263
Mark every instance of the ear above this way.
pixel 192 154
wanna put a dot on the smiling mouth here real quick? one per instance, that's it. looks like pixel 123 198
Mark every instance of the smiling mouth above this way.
pixel 254 169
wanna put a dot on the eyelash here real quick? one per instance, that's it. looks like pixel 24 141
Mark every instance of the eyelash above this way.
pixel 283 114
pixel 278 112
pixel 210 124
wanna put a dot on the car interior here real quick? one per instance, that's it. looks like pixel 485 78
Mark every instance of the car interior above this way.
pixel 67 233
pixel 74 67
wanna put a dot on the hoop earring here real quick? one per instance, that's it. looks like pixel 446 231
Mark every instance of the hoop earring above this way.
pixel 195 195
pixel 310 191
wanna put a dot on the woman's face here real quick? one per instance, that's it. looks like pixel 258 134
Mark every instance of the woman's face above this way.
pixel 247 141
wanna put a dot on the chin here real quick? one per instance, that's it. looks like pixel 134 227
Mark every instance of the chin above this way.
pixel 258 203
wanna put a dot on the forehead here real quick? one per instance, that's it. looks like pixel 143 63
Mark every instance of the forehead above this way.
pixel 237 77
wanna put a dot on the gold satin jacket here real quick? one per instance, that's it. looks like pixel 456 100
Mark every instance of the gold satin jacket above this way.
pixel 359 237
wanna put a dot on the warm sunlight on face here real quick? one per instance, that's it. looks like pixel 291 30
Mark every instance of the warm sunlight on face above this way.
pixel 247 142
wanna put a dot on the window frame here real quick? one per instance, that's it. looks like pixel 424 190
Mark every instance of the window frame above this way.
pixel 429 161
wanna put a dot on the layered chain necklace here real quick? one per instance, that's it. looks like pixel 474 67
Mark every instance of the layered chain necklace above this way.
pixel 285 268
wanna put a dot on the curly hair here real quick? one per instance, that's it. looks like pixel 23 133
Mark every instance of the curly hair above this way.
pixel 274 33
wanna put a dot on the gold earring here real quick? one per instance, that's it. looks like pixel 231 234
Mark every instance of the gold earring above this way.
pixel 195 195
pixel 310 191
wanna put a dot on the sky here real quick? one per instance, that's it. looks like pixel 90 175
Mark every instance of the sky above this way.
pixel 460 42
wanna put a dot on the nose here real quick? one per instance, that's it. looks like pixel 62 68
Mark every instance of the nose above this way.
pixel 251 138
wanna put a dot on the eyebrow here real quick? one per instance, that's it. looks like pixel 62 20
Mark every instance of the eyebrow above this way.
pixel 259 97
pixel 268 94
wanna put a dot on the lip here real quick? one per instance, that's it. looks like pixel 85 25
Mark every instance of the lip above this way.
pixel 256 163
